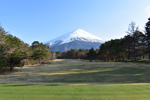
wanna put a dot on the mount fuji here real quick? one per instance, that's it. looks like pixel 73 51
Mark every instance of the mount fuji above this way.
pixel 78 39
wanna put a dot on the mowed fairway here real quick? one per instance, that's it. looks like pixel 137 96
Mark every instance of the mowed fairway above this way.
pixel 77 80
pixel 67 92
pixel 80 71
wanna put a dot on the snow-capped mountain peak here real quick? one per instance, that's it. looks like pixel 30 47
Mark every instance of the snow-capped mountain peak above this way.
pixel 78 34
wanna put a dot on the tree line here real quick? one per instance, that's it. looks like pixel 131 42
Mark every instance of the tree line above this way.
pixel 16 53
pixel 132 47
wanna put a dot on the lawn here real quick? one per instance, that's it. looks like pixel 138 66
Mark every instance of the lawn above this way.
pixel 73 92
pixel 77 80
pixel 80 71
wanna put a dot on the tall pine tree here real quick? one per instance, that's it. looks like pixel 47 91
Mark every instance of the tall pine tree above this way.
pixel 148 35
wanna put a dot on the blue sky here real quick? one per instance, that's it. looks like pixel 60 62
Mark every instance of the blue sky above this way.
pixel 44 20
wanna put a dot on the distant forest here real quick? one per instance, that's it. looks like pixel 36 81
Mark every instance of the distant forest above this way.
pixel 135 46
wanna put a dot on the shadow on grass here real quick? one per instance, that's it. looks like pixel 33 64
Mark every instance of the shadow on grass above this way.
pixel 121 75
pixel 25 85
pixel 76 71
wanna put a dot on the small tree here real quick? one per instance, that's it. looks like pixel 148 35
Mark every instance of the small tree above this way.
pixel 91 54
pixel 40 51
pixel 15 59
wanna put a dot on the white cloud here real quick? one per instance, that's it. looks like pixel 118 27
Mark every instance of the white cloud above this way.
pixel 147 9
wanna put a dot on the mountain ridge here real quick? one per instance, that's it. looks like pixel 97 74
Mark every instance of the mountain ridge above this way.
pixel 79 36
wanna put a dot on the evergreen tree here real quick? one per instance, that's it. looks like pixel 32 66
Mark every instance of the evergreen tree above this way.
pixel 148 36
pixel 91 54
pixel 15 53
pixel 40 52
pixel 3 60
pixel 15 59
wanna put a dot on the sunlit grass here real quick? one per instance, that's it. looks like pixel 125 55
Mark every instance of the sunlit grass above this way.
pixel 75 92
pixel 76 72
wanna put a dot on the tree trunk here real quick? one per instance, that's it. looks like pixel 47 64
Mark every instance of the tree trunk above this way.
pixel 39 61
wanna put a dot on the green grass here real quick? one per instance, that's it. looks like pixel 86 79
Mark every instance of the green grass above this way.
pixel 70 92
pixel 85 78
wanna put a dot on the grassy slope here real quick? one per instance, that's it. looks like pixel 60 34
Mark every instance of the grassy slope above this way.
pixel 78 71
pixel 64 92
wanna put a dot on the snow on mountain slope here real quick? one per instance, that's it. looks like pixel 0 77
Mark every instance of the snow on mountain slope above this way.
pixel 79 35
